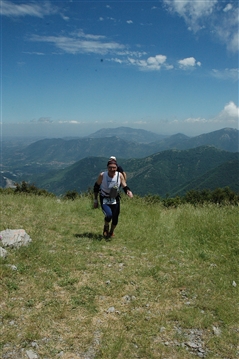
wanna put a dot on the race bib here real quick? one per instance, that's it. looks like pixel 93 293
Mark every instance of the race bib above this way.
pixel 108 200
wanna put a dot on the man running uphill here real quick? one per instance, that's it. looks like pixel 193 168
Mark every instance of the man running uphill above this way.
pixel 107 185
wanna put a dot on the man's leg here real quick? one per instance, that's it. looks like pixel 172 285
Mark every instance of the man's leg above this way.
pixel 108 216
pixel 115 217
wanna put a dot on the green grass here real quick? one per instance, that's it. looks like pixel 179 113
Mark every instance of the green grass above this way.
pixel 167 271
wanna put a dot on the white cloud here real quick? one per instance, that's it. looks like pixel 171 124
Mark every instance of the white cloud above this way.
pixel 129 22
pixel 226 74
pixel 195 120
pixel 71 122
pixel 228 7
pixel 137 54
pixel 231 110
pixel 81 33
pixel 233 43
pixel 115 59
pixel 151 63
pixel 107 18
pixel 11 9
pixel 65 17
pixel 81 43
pixel 158 59
pixel 227 29
pixel 192 11
pixel 189 62
pixel 45 120
pixel 227 117
pixel 33 53
pixel 218 20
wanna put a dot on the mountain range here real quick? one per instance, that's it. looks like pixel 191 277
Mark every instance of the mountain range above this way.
pixel 225 139
pixel 72 150
pixel 155 164
pixel 59 152
pixel 171 172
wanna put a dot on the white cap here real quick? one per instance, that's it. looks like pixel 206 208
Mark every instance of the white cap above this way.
pixel 112 158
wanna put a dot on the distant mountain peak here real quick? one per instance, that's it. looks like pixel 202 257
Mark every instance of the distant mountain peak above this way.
pixel 128 134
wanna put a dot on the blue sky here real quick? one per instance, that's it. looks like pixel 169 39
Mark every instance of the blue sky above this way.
pixel 70 68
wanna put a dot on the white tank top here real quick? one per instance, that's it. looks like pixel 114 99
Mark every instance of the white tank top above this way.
pixel 108 183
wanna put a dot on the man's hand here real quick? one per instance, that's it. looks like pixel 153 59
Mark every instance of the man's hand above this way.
pixel 96 203
pixel 130 194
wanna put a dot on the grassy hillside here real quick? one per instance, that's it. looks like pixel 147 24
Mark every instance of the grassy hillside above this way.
pixel 165 172
pixel 162 288
pixel 225 175
pixel 162 173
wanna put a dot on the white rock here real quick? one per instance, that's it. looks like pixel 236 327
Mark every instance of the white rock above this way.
pixel 15 238
pixel 31 354
pixel 127 298
pixel 12 267
pixel 111 310
pixel 216 331
pixel 192 345
pixel 3 252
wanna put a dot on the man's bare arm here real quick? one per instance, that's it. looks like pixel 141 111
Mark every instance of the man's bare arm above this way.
pixel 126 189
pixel 97 189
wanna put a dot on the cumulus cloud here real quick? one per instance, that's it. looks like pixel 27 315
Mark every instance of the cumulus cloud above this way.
pixel 231 110
pixel 212 15
pixel 129 22
pixel 189 62
pixel 152 63
pixel 227 117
